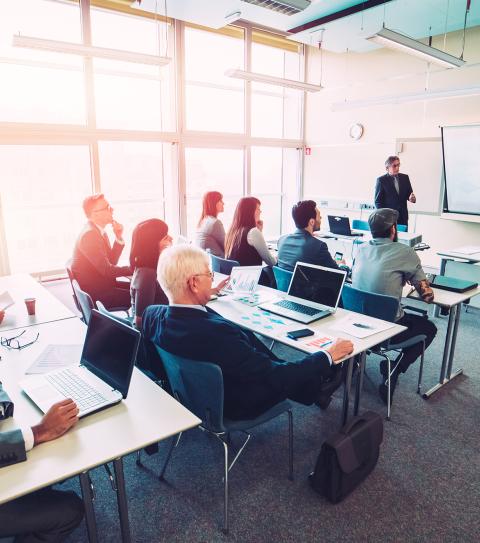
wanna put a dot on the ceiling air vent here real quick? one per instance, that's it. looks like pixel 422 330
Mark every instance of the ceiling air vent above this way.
pixel 286 7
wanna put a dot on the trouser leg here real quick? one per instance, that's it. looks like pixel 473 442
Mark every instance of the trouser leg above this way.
pixel 416 325
pixel 46 516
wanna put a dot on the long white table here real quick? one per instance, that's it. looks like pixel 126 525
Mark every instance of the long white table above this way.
pixel 407 238
pixel 236 312
pixel 453 302
pixel 147 416
pixel 47 307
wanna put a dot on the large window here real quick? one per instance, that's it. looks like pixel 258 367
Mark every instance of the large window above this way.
pixel 152 139
pixel 42 187
pixel 38 86
pixel 213 101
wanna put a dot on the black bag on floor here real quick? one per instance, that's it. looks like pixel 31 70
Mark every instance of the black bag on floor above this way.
pixel 347 457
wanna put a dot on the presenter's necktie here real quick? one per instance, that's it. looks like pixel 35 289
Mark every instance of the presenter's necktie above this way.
pixel 395 181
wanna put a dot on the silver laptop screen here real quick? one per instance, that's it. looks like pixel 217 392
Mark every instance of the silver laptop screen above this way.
pixel 110 351
pixel 317 284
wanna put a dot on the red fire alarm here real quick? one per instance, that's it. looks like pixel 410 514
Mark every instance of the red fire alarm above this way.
pixel 308 151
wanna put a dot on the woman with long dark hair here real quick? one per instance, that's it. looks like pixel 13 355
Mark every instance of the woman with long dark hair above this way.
pixel 210 233
pixel 245 242
pixel 149 239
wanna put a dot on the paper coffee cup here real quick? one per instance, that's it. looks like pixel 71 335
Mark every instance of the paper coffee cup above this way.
pixel 30 303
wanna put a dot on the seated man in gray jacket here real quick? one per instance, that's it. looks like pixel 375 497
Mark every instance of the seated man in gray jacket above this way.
pixel 46 515
pixel 302 245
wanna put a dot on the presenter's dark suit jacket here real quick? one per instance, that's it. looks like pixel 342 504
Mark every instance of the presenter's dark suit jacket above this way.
pixel 301 246
pixel 254 379
pixel 386 195
pixel 94 267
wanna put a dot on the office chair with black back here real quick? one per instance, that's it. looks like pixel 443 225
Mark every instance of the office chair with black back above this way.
pixel 223 265
pixel 199 387
pixel 85 302
pixel 105 311
pixel 382 307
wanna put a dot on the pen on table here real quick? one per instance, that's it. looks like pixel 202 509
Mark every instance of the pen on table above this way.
pixel 361 325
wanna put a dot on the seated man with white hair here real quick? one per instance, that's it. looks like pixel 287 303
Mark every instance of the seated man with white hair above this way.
pixel 254 378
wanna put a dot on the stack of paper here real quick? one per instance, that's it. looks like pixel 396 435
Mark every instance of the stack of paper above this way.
pixel 6 300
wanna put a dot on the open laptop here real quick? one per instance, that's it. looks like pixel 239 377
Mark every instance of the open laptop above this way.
pixel 103 377
pixel 341 226
pixel 313 293
pixel 243 280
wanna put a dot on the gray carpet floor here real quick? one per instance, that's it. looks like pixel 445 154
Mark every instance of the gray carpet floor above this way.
pixel 426 486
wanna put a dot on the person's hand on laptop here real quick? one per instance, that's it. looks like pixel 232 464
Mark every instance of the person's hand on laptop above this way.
pixel 216 290
pixel 339 349
pixel 58 420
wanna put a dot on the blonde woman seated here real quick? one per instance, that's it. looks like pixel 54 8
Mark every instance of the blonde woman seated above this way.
pixel 210 233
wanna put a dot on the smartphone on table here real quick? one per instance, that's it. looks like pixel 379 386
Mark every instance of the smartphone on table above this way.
pixel 296 334
pixel 338 256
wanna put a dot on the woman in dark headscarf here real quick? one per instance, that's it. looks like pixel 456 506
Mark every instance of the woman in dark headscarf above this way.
pixel 149 239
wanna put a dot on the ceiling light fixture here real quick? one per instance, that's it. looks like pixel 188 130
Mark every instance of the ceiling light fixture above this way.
pixel 409 97
pixel 87 50
pixel 397 41
pixel 272 80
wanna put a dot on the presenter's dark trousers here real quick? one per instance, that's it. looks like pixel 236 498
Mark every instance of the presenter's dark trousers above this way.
pixel 416 325
pixel 46 516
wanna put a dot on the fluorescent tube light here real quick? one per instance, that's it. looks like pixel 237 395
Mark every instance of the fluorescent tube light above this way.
pixel 89 51
pixel 409 97
pixel 394 40
pixel 271 80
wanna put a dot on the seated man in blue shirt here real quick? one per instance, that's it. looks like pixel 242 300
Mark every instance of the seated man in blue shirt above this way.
pixel 384 266
pixel 302 245
pixel 254 378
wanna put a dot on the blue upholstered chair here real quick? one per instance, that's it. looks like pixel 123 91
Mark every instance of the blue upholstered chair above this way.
pixel 382 307
pixel 223 265
pixel 199 387
pixel 357 224
pixel 282 278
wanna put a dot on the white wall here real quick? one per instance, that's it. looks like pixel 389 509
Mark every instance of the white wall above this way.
pixel 339 165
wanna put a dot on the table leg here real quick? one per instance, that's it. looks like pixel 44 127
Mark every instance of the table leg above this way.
pixel 88 504
pixel 346 391
pixel 122 500
pixel 448 351
pixel 362 357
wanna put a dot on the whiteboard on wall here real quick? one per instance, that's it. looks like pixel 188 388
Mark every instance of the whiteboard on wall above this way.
pixel 422 160
pixel 348 172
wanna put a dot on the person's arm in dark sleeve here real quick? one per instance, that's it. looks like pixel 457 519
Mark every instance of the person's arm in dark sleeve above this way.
pixel 93 248
pixel 379 196
pixel 12 448
pixel 324 258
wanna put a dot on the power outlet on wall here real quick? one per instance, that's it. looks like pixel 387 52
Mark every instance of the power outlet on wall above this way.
pixel 367 206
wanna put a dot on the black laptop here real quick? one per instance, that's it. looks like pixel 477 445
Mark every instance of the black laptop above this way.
pixel 341 226
pixel 451 283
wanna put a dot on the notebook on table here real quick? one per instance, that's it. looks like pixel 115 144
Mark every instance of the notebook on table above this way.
pixel 341 226
pixel 451 283
pixel 314 292
pixel 103 377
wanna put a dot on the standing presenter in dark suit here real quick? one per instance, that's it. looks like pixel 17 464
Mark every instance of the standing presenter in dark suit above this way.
pixel 394 190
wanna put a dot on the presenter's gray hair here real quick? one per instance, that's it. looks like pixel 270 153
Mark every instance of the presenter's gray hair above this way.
pixel 390 160
pixel 176 265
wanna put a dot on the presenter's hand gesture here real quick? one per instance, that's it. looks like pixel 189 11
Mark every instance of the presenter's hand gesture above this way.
pixel 117 230
pixel 412 198
pixel 339 349
pixel 58 420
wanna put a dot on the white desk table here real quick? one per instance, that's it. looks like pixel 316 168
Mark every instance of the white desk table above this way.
pixel 453 302
pixel 235 311
pixel 47 307
pixel 147 416
pixel 407 238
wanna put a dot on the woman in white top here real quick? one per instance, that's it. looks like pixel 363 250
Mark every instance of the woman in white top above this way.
pixel 245 242
pixel 210 233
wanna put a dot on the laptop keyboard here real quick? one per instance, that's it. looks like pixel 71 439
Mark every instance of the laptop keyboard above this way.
pixel 73 386
pixel 299 308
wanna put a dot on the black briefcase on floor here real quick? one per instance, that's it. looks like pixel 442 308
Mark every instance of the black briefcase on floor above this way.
pixel 348 456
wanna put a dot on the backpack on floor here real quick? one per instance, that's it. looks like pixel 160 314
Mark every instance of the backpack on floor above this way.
pixel 348 456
